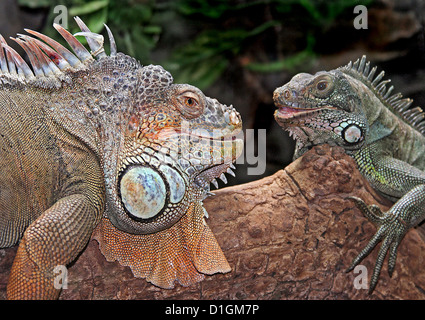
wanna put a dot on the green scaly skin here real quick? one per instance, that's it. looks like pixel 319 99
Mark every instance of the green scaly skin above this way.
pixel 351 108
pixel 94 141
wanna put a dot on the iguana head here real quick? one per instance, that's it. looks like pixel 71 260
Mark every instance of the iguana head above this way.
pixel 321 108
pixel 178 138
pixel 177 141
pixel 160 144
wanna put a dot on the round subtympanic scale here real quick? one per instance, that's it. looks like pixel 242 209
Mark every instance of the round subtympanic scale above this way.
pixel 176 183
pixel 143 192
pixel 352 134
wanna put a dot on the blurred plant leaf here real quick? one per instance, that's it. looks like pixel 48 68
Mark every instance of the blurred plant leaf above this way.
pixel 302 59
pixel 204 59
pixel 322 12
pixel 208 37
pixel 34 3
pixel 97 20
pixel 201 74
pixel 88 8
pixel 215 9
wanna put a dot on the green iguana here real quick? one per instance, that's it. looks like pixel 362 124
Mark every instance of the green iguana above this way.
pixel 351 108
pixel 95 141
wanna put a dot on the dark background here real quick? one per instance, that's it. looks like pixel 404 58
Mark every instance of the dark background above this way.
pixel 240 51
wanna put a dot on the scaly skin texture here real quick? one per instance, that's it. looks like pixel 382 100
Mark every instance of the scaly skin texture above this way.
pixel 100 145
pixel 349 107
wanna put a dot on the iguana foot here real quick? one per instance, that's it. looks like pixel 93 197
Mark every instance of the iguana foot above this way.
pixel 391 229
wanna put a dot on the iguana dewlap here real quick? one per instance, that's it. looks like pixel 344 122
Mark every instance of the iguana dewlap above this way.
pixel 90 140
pixel 352 108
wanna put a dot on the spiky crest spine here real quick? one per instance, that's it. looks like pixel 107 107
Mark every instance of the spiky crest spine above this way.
pixel 398 105
pixel 51 63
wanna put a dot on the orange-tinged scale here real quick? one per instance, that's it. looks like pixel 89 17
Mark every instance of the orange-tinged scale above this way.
pixel 182 253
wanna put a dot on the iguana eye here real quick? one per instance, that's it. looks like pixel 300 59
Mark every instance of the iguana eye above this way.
pixel 323 86
pixel 191 102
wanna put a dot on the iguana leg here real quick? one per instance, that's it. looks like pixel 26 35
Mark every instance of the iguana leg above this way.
pixel 54 239
pixel 406 213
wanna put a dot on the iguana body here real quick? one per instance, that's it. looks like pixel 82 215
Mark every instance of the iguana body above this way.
pixel 111 144
pixel 352 108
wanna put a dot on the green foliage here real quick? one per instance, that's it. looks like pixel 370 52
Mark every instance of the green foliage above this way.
pixel 135 31
pixel 320 12
pixel 95 11
pixel 302 59
pixel 34 3
pixel 214 9
pixel 205 58
pixel 213 34
pixel 130 21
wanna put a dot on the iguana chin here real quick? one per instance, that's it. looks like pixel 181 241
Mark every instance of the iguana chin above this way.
pixel 351 108
pixel 95 141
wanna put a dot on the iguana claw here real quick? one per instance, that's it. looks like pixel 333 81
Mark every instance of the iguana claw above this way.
pixel 391 229
pixel 372 212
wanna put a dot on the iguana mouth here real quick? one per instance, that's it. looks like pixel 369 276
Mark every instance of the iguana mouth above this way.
pixel 229 133
pixel 228 137
pixel 166 134
pixel 289 111
pixel 222 166
pixel 210 175
pixel 285 112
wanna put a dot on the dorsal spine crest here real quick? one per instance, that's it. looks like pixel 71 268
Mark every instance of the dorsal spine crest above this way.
pixel 395 102
pixel 51 63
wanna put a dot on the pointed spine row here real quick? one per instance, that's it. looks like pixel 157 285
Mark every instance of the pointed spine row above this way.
pixel 414 116
pixel 48 57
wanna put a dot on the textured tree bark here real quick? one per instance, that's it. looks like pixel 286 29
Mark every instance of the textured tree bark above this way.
pixel 288 236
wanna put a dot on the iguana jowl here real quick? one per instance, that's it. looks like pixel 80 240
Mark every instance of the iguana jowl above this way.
pixel 95 141
pixel 352 108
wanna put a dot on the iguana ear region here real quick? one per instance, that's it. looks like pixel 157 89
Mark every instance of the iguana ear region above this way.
pixel 182 253
pixel 146 192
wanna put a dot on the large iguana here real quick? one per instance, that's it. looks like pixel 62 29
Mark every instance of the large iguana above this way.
pixel 90 140
pixel 352 108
